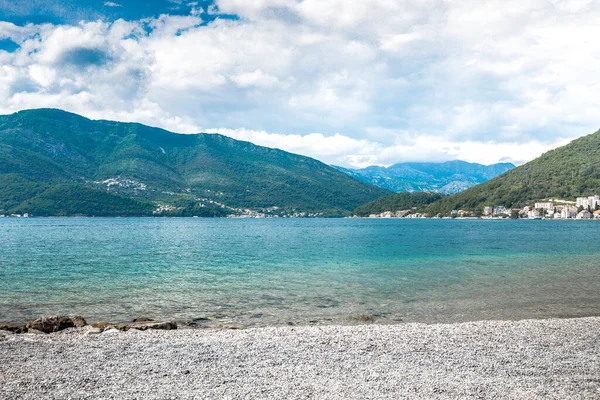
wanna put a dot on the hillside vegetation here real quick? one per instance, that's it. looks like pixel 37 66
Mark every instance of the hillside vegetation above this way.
pixel 566 173
pixel 398 202
pixel 57 163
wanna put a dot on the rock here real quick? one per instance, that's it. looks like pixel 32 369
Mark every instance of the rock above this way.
pixel 101 325
pixel 78 321
pixel 55 323
pixel 142 326
pixel 363 318
pixel 13 328
pixel 216 316
pixel 143 319
pixel 110 331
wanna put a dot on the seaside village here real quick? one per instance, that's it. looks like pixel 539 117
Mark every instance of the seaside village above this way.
pixel 582 208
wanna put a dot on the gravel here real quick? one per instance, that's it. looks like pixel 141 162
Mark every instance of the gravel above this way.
pixel 554 358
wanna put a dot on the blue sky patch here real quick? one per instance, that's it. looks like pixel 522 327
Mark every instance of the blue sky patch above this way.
pixel 8 45
pixel 74 11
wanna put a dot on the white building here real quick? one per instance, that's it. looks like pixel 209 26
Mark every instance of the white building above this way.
pixel 590 201
pixel 533 214
pixel 548 206
pixel 499 210
pixel 487 210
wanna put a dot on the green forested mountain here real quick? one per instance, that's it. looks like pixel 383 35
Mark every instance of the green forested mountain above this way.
pixel 566 173
pixel 57 163
pixel 398 202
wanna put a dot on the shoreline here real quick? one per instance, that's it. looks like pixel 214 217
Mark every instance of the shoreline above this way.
pixel 6 217
pixel 220 323
pixel 548 358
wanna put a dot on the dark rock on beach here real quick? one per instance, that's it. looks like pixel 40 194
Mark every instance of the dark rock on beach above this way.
pixel 13 328
pixel 56 323
pixel 142 326
pixel 78 321
pixel 101 325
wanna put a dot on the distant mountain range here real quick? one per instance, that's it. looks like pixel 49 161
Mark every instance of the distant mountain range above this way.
pixel 446 178
pixel 564 173
pixel 57 163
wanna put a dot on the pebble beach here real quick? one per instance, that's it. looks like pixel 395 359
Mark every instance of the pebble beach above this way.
pixel 528 359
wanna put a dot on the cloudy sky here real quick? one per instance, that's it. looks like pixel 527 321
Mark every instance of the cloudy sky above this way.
pixel 351 83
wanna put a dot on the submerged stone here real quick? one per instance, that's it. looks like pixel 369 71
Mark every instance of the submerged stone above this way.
pixel 363 318
pixel 143 319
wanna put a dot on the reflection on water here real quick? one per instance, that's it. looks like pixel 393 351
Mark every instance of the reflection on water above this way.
pixel 267 272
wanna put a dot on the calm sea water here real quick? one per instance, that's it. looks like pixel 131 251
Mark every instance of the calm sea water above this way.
pixel 246 272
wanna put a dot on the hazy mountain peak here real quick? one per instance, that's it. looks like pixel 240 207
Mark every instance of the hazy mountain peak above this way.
pixel 445 177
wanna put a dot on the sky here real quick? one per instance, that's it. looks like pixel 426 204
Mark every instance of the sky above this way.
pixel 351 83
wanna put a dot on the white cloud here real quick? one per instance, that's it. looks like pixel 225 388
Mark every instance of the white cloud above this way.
pixel 382 81
pixel 256 78
pixel 112 4
pixel 345 151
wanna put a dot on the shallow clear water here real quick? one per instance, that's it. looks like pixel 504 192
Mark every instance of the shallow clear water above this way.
pixel 245 272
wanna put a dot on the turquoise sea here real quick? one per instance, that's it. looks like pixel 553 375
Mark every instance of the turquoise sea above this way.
pixel 256 272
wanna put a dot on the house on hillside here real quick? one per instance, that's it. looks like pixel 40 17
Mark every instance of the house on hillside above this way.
pixel 585 214
pixel 568 212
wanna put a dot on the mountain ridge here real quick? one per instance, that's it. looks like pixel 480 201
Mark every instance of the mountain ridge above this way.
pixel 446 177
pixel 47 147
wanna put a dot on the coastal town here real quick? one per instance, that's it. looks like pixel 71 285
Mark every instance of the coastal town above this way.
pixel 584 208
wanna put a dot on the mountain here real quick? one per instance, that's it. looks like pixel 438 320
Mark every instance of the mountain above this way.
pixel 446 178
pixel 566 173
pixel 56 163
